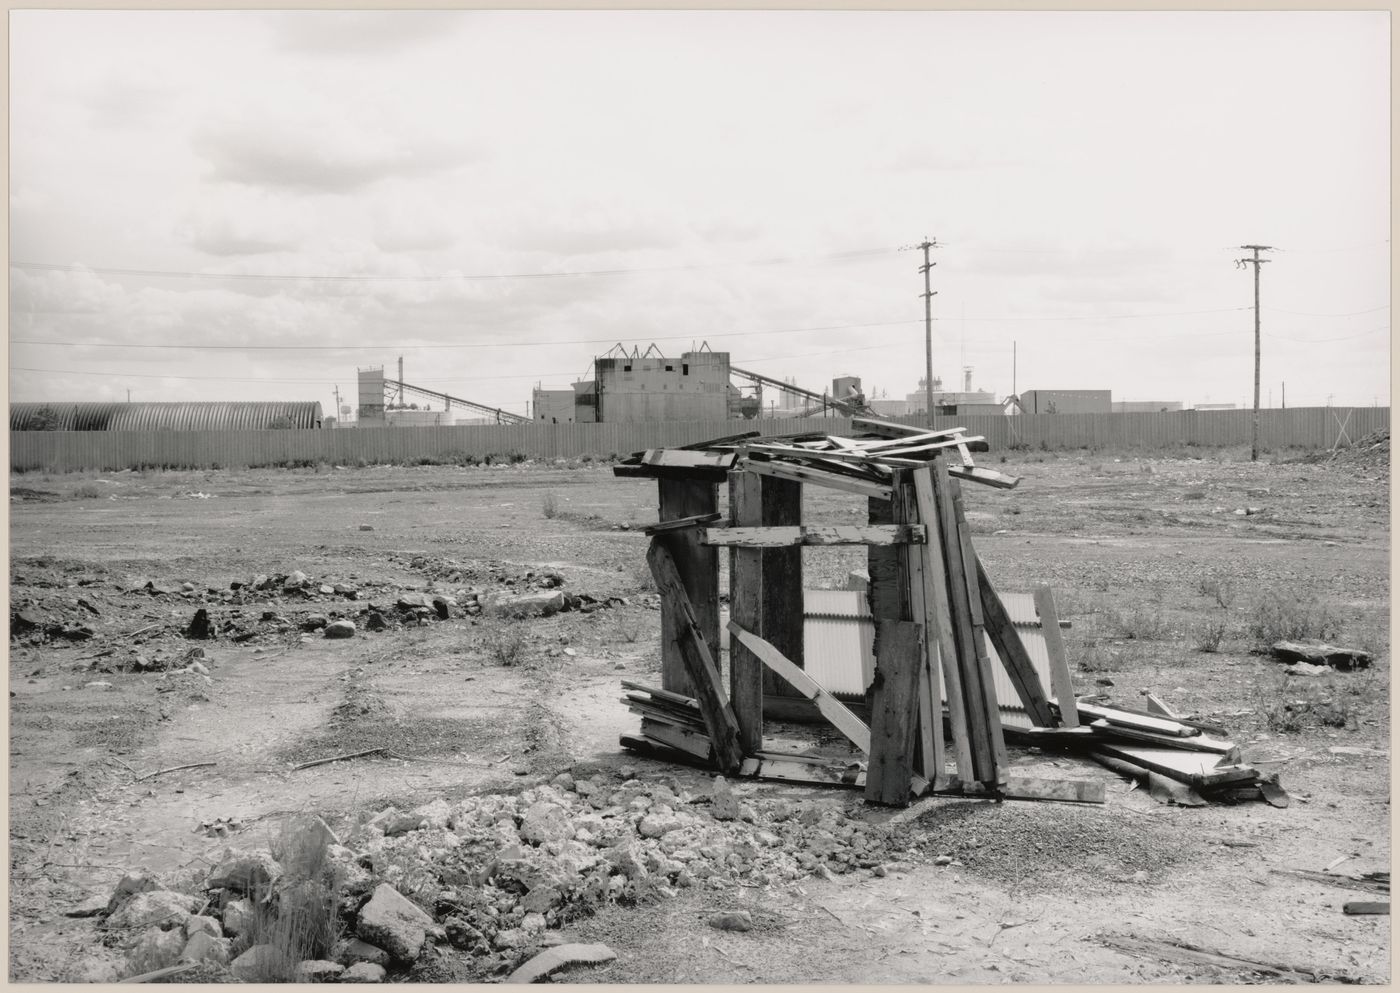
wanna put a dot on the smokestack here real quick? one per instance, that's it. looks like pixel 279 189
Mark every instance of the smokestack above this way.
pixel 967 379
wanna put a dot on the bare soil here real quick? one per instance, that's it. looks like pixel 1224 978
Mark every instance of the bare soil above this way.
pixel 1146 556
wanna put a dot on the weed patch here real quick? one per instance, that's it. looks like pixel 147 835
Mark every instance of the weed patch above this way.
pixel 1283 616
pixel 549 504
pixel 1210 634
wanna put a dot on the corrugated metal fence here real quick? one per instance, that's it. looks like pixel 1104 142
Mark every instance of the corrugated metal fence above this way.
pixel 60 451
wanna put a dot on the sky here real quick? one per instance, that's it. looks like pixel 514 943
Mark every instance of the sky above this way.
pixel 252 205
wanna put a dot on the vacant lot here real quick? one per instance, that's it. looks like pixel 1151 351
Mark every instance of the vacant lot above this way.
pixel 1172 571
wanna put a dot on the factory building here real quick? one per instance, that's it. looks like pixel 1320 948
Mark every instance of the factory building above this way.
pixel 553 406
pixel 650 387
pixel 205 416
pixel 1067 402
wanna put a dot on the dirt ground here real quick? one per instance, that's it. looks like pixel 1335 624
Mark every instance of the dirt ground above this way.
pixel 1153 560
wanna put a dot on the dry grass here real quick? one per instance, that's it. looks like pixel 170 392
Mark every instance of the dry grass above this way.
pixel 504 642
pixel 1139 624
pixel 1289 616
pixel 549 504
pixel 1210 633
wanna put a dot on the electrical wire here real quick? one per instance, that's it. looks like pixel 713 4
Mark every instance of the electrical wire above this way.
pixel 1300 313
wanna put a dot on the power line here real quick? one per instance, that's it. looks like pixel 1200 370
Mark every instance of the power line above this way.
pixel 439 277
pixel 1354 313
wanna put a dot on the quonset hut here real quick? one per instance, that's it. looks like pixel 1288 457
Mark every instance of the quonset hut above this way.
pixel 215 416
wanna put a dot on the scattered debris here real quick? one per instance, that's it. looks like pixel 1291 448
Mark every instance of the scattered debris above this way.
pixel 1319 653
pixel 551 960
pixel 1358 908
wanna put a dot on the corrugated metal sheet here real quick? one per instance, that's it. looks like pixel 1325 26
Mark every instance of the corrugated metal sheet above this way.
pixel 208 416
pixel 839 647
pixel 107 448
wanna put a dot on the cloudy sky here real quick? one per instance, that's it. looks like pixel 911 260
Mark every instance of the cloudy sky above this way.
pixel 252 205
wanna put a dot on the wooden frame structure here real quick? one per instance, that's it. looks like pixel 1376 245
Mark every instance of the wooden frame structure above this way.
pixel 933 604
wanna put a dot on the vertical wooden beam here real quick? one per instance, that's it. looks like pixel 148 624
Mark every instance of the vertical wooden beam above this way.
pixel 929 740
pixel 888 593
pixel 746 599
pixel 979 641
pixel 893 718
pixel 1012 652
pixel 783 619
pixel 698 567
pixel 1060 678
pixel 960 604
pixel 697 656
pixel 939 624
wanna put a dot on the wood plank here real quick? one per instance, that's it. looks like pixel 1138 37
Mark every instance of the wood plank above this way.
pixel 823 534
pixel 1201 769
pixel 963 603
pixel 698 568
pixel 1329 879
pixel 729 439
pixel 680 458
pixel 972 443
pixel 1156 706
pixel 856 456
pixel 1172 951
pixel 894 708
pixel 797 709
pixel 660 694
pixel 1138 721
pixel 987 477
pixel 939 619
pixel 818 477
pixel 794 769
pixel 700 664
pixel 746 609
pixel 929 751
pixel 891 429
pixel 1012 651
pixel 1198 743
pixel 680 524
pixel 643 745
pixel 679 738
pixel 1060 679
pixel 979 639
pixel 784 626
pixel 1357 908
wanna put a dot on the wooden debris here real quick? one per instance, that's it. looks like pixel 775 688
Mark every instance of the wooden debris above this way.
pixel 1061 682
pixel 176 768
pixel 1345 882
pixel 778 537
pixel 1321 653
pixel 333 758
pixel 894 712
pixel 1357 908
pixel 1012 652
pixel 1174 951
pixel 553 959
pixel 680 524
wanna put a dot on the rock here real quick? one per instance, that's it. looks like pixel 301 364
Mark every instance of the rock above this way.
pixel 260 582
pixel 564 781
pixel 318 971
pixel 295 581
pixel 442 606
pixel 393 923
pixel 249 874
pixel 375 622
pixel 156 949
pixel 345 589
pixel 657 825
pixel 131 884
pixel 207 925
pixel 510 938
pixel 238 917
pixel 363 972
pixel 732 920
pixel 326 589
pixel 205 947
pixel 200 627
pixel 97 685
pixel 1304 669
pixel 1321 653
pixel 546 821
pixel 315 622
pixel 366 527
pixel 261 964
pixel 164 909
pixel 541 899
pixel 724 805
pixel 436 815
pixel 553 959
pixel 540 604
pixel 394 822
pixel 340 629
pixel 352 951
pixel 91 907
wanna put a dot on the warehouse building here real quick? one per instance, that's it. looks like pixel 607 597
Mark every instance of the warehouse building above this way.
pixel 236 415
pixel 1067 401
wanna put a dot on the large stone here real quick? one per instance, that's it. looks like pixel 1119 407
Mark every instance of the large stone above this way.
pixel 205 947
pixel 724 805
pixel 437 814
pixel 1321 653
pixel 261 964
pixel 394 822
pixel 363 972
pixel 540 604
pixel 546 821
pixel 732 920
pixel 91 907
pixel 156 949
pixel 351 951
pixel 340 629
pixel 553 959
pixel 657 825
pixel 318 971
pixel 250 874
pixel 200 626
pixel 238 917
pixel 295 581
pixel 209 925
pixel 394 923
pixel 164 909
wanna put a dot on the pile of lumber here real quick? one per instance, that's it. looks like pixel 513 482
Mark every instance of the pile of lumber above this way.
pixel 1182 761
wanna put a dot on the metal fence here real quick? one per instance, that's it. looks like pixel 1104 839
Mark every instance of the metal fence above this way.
pixel 62 451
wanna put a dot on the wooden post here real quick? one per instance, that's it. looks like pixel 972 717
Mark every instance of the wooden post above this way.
pixel 746 595
pixel 782 625
pixel 1012 651
pixel 1060 679
pixel 895 713
pixel 698 568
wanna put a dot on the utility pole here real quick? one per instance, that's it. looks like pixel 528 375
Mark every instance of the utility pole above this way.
pixel 928 327
pixel 400 380
pixel 1013 369
pixel 1256 261
pixel 1284 388
pixel 128 394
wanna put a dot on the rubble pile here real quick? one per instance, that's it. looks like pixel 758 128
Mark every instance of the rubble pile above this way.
pixel 489 875
pixel 1371 453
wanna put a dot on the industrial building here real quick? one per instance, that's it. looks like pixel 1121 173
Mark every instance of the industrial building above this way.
pixel 1145 406
pixel 234 415
pixel 1067 402
pixel 645 387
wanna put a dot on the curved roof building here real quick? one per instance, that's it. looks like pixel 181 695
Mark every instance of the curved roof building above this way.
pixel 217 416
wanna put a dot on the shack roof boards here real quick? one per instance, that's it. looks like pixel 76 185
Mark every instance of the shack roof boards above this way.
pixel 931 645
